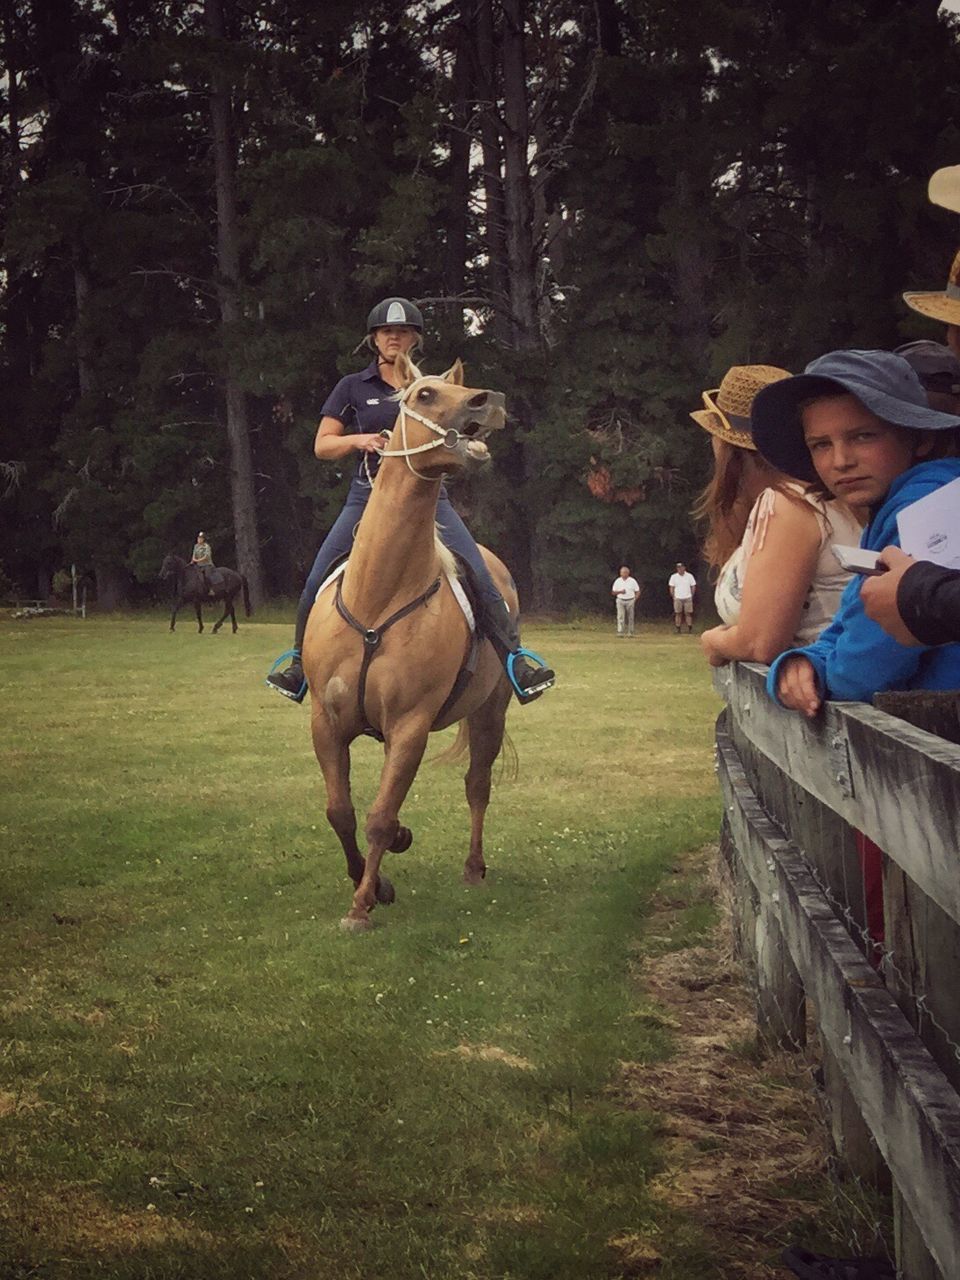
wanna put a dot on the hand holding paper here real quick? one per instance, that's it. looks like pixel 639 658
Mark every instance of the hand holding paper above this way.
pixel 879 595
pixel 930 528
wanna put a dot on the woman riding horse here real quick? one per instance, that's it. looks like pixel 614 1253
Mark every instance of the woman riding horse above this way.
pixel 388 649
pixel 357 418
pixel 191 587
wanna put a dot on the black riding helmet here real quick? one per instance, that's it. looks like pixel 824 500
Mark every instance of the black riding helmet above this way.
pixel 395 311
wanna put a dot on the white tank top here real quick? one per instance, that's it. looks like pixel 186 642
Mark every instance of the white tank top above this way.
pixel 837 524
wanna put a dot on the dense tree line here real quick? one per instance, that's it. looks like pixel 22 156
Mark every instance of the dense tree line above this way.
pixel 599 204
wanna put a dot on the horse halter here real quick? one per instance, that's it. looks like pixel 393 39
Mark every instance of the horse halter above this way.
pixel 450 438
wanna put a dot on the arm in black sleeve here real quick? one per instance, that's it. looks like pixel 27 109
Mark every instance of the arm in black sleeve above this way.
pixel 928 599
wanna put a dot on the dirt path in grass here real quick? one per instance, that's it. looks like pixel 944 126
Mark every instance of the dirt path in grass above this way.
pixel 746 1154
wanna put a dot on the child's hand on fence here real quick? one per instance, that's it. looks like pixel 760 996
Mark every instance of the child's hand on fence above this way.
pixel 797 686
pixel 879 595
pixel 708 643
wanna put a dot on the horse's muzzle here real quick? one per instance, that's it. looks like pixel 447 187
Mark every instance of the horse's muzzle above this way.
pixel 481 414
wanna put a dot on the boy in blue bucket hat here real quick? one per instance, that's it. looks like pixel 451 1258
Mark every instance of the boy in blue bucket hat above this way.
pixel 858 423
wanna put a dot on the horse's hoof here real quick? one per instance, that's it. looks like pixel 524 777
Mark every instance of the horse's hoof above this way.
pixel 403 840
pixel 386 893
pixel 471 876
pixel 354 924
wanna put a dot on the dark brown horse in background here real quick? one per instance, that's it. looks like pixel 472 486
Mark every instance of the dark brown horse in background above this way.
pixel 194 586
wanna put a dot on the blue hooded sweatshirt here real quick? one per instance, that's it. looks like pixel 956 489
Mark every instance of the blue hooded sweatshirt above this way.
pixel 854 658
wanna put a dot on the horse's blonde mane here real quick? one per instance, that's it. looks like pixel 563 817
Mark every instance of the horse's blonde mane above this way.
pixel 449 565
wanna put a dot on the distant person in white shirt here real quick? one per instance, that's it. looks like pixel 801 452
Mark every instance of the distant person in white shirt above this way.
pixel 627 593
pixel 683 588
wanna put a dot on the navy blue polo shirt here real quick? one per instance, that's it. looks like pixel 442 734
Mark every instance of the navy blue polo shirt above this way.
pixel 361 401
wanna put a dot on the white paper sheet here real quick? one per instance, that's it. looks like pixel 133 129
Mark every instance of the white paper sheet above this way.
pixel 930 528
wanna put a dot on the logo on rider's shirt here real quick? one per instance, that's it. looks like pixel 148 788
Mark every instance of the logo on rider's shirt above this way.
pixel 376 401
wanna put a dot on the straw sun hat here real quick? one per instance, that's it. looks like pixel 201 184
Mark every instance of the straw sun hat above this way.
pixel 943 306
pixel 727 410
pixel 944 188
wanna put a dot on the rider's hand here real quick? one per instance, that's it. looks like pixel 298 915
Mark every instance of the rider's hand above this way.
pixel 797 686
pixel 373 443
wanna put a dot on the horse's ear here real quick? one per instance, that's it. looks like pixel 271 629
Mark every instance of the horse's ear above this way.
pixel 405 369
pixel 455 373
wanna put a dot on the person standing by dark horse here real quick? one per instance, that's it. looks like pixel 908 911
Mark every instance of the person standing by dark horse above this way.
pixel 357 418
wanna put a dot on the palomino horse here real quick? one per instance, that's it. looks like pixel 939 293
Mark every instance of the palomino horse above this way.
pixel 383 649
pixel 190 587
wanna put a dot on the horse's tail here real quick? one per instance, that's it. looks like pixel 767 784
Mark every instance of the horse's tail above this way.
pixel 457 749
pixel 509 757
pixel 509 760
pixel 246 594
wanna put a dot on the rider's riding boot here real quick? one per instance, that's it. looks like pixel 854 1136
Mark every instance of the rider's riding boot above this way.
pixel 292 683
pixel 527 671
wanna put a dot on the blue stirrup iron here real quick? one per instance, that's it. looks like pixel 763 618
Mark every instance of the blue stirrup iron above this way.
pixel 511 659
pixel 302 691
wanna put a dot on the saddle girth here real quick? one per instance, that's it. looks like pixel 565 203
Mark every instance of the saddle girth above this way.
pixel 371 643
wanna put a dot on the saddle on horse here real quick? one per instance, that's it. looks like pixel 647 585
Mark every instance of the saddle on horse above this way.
pixel 526 670
pixel 211 580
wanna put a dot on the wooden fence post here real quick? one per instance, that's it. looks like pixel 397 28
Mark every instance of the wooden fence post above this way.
pixel 852 1139
pixel 913 1256
pixel 781 1010
pixel 780 1000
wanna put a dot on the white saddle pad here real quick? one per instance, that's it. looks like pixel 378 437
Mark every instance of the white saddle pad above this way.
pixel 454 583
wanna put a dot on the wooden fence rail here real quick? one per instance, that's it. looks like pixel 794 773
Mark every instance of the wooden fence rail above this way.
pixel 795 795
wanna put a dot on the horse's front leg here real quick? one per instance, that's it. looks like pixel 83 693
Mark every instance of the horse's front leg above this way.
pixel 173 617
pixel 334 759
pixel 233 616
pixel 227 611
pixel 403 755
pixel 485 727
pixel 199 616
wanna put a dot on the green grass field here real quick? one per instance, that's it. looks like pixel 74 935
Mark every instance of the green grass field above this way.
pixel 200 1076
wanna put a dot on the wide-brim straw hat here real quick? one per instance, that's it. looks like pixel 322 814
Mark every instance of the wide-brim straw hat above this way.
pixel 944 188
pixel 882 381
pixel 727 409
pixel 943 306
